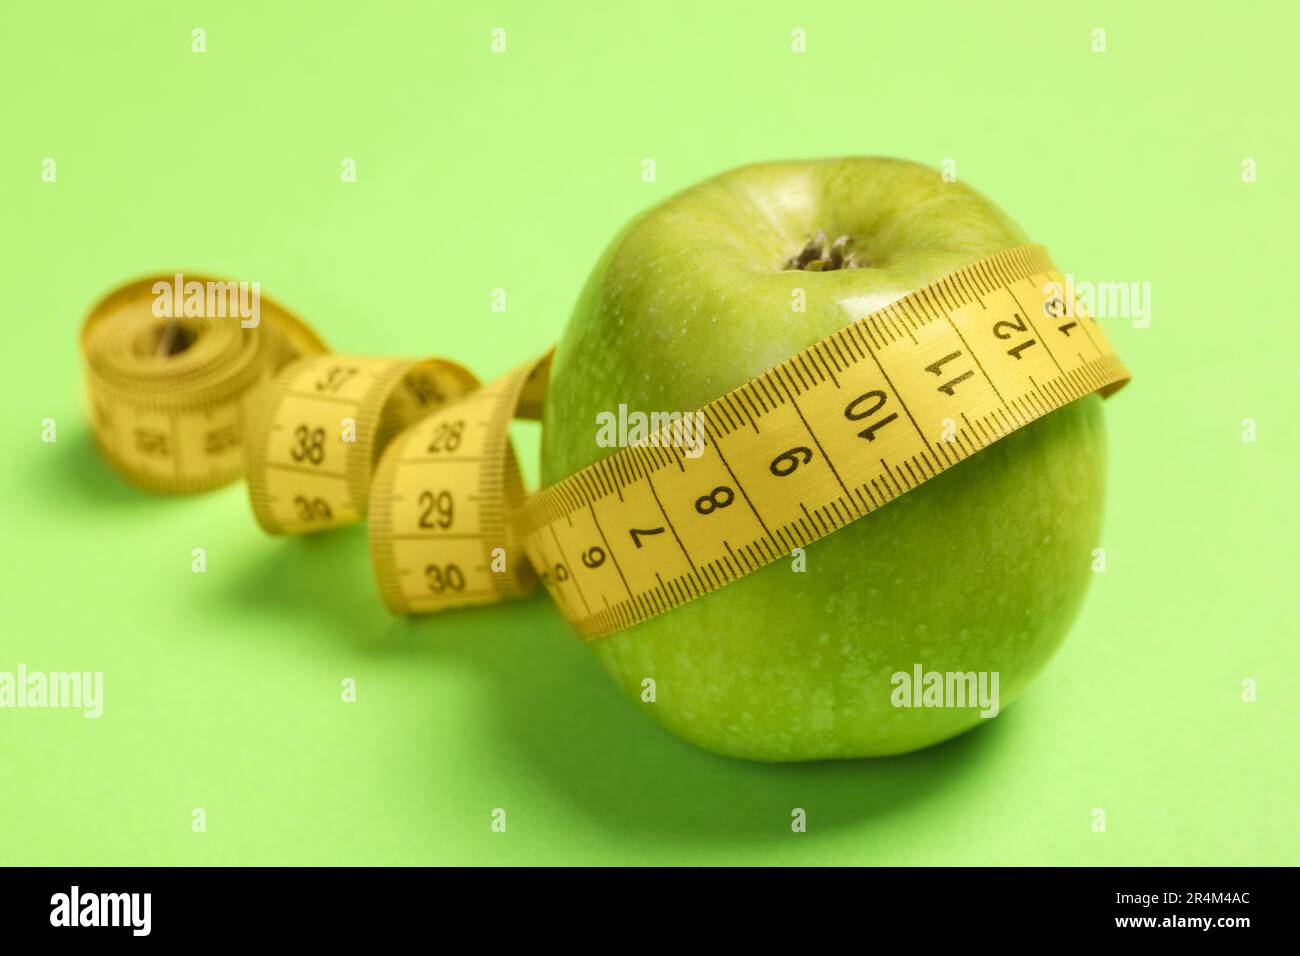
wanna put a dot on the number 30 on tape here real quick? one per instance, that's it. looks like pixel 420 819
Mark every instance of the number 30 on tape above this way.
pixel 422 451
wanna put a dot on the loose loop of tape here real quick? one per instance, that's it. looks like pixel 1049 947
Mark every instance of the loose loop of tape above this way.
pixel 421 450
pixel 418 448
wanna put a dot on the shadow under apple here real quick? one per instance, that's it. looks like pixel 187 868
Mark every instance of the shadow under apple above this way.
pixel 547 703
pixel 551 704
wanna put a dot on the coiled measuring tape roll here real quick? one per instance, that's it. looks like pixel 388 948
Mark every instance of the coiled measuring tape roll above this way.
pixel 169 393
pixel 422 451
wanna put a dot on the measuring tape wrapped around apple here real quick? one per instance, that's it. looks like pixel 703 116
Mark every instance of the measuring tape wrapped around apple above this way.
pixel 814 380
pixel 422 451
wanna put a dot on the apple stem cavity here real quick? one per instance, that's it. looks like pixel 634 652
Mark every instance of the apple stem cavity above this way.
pixel 816 257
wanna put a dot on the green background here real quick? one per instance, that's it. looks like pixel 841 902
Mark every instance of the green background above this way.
pixel 479 170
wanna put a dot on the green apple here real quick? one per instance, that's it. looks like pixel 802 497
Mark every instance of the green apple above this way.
pixel 980 569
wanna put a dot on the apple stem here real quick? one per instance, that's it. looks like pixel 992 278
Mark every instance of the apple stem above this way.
pixel 815 257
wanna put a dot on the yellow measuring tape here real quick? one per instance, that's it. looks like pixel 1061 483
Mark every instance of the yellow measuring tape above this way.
pixel 422 451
